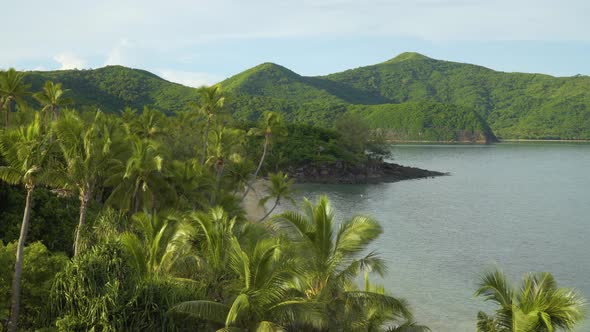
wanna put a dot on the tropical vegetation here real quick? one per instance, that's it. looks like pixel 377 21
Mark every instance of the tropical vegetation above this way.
pixel 410 97
pixel 537 305
pixel 155 236
pixel 136 221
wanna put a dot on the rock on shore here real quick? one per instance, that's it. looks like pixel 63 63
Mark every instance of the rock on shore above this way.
pixel 375 172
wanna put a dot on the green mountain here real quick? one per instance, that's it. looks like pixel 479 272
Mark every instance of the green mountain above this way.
pixel 426 121
pixel 112 88
pixel 513 105
pixel 272 80
pixel 410 97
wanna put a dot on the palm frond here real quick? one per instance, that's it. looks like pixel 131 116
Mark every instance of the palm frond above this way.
pixel 495 287
pixel 355 234
pixel 399 308
pixel 409 327
pixel 206 310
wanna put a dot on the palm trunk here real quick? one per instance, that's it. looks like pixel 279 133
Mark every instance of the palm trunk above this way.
pixel 273 208
pixel 217 182
pixel 259 165
pixel 84 198
pixel 1 104
pixel 18 265
pixel 205 140
pixel 46 116
pixel 137 199
pixel 8 110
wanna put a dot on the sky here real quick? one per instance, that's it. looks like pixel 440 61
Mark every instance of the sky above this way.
pixel 203 42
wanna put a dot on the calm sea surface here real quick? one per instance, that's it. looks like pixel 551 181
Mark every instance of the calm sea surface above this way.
pixel 520 206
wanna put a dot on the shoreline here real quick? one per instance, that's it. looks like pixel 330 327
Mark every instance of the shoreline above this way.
pixel 508 140
pixel 545 140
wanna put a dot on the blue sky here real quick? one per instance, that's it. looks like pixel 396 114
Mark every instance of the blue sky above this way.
pixel 202 42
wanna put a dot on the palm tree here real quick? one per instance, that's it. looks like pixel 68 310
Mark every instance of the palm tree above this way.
pixel 12 89
pixel 156 242
pixel 87 155
pixel 210 105
pixel 272 125
pixel 191 182
pixel 212 232
pixel 227 141
pixel 150 124
pixel 374 317
pixel 335 257
pixel 266 300
pixel 280 188
pixel 240 172
pixel 538 305
pixel 26 152
pixel 52 99
pixel 139 182
pixel 184 135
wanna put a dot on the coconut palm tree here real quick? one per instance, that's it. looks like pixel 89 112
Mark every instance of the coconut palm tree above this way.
pixel 12 89
pixel 226 142
pixel 87 155
pixel 281 188
pixel 212 231
pixel 52 99
pixel 26 151
pixel 191 182
pixel 266 300
pixel 240 172
pixel 211 100
pixel 156 242
pixel 374 317
pixel 272 125
pixel 150 124
pixel 538 305
pixel 140 181
pixel 335 257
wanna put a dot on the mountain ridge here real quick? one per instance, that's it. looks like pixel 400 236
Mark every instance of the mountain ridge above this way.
pixel 513 105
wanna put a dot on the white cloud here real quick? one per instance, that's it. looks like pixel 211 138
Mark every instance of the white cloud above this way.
pixel 70 61
pixel 120 54
pixel 194 79
pixel 154 33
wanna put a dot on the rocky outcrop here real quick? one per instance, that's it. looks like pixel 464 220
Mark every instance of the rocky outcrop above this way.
pixel 373 172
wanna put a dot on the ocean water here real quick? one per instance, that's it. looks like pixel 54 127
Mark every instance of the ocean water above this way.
pixel 518 206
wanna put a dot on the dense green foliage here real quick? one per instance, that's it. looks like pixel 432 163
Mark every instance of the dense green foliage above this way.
pixel 426 121
pixel 113 88
pixel 272 80
pixel 163 241
pixel 537 305
pixel 40 269
pixel 513 105
pixel 53 218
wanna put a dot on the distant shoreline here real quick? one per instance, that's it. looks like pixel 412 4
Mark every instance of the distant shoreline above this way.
pixel 511 140
pixel 546 140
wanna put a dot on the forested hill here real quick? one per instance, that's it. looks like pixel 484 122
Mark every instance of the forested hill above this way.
pixel 411 96
pixel 112 88
pixel 514 104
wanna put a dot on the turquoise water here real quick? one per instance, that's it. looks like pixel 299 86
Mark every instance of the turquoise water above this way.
pixel 520 206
